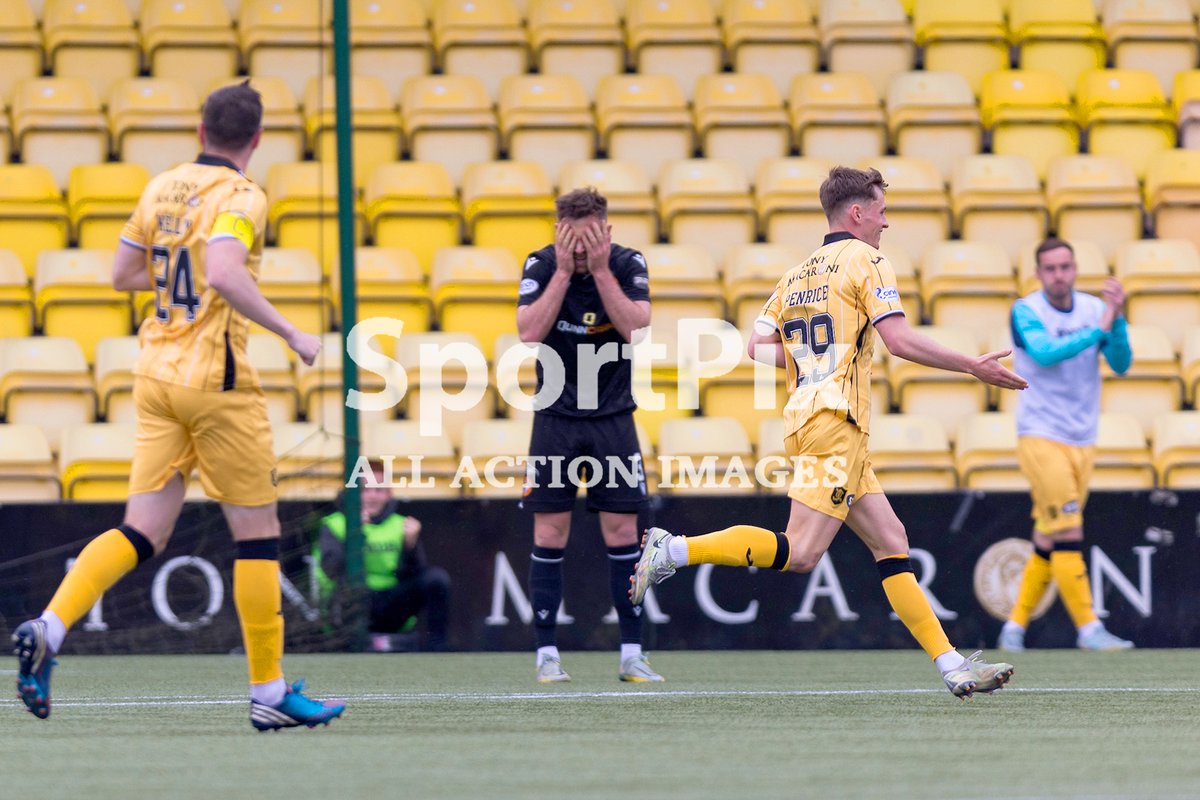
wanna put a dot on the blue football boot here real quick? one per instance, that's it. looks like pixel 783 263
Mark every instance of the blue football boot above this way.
pixel 294 710
pixel 35 660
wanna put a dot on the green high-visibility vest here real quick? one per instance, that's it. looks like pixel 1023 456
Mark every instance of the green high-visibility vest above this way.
pixel 383 548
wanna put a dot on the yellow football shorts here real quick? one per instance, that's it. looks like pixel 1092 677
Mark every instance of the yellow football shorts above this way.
pixel 834 467
pixel 1058 476
pixel 226 434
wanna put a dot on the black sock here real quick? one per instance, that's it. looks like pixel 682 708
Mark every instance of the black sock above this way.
pixel 621 563
pixel 545 592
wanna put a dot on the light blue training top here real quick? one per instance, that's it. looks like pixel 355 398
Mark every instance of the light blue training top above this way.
pixel 1058 352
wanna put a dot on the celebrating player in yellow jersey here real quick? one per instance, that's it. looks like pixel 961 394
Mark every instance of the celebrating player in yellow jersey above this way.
pixel 820 325
pixel 196 240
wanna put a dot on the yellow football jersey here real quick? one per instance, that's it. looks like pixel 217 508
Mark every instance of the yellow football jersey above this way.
pixel 195 338
pixel 824 310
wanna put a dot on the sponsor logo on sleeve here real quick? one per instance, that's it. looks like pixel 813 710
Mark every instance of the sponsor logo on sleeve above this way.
pixel 528 286
pixel 887 294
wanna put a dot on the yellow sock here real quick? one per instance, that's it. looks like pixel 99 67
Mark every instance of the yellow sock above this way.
pixel 1073 585
pixel 740 546
pixel 911 605
pixel 259 607
pixel 104 561
pixel 1033 585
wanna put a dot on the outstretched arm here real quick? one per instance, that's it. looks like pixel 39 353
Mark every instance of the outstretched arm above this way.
pixel 903 341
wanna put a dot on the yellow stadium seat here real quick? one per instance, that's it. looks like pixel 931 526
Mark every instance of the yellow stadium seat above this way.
pixel 679 38
pixel 1177 450
pixel 837 116
pixel 1092 268
pixel 932 115
pixel 917 209
pixel 967 38
pixel 413 204
pixel 644 119
pixel 483 40
pixel 27 470
pixel 154 121
pixel 873 37
pixel 968 285
pixel 1162 284
pixel 1172 194
pixel 433 456
pixel 322 394
pixel 290 277
pixel 998 199
pixel 94 40
pixel 1029 114
pixel 512 378
pixel 740 117
pixel 449 118
pixel 772 458
pixel 751 273
pixel 74 297
pixel 948 396
pixel 376 136
pixel 706 201
pixel 546 119
pixel 1158 35
pixel 292 41
pixel 33 215
pixel 508 204
pixel 389 282
pixel 100 199
pixel 705 455
pixel 303 209
pixel 390 41
pixel 20 46
pixel 1186 100
pixel 475 291
pixel 190 40
pixel 96 460
pixel 1124 114
pixel 499 442
pixel 1122 459
pixel 6 139
pixel 421 355
pixel 786 199
pixel 910 453
pixel 115 360
pixel 774 37
pixel 1095 198
pixel 627 187
pixel 282 140
pixel 1152 386
pixel 579 38
pixel 1063 37
pixel 1189 364
pixel 686 283
pixel 57 122
pixel 309 461
pixel 985 453
pixel 16 301
pixel 276 375
pixel 734 394
pixel 906 283
pixel 44 381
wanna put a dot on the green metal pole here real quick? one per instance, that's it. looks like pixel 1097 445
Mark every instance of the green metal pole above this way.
pixel 345 192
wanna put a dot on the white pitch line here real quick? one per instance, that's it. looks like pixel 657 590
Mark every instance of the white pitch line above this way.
pixel 372 697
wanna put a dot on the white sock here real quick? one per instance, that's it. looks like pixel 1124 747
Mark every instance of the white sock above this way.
pixel 628 651
pixel 1011 626
pixel 1091 627
pixel 951 659
pixel 677 549
pixel 270 693
pixel 56 631
pixel 544 653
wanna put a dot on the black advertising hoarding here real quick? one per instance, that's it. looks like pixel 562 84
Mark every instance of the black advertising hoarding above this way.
pixel 1142 548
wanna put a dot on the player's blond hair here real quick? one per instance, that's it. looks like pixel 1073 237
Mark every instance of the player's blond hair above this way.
pixel 847 185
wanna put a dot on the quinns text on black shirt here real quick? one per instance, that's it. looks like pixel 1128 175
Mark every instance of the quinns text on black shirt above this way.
pixel 582 320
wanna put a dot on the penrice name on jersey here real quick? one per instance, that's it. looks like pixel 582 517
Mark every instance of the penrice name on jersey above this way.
pixel 803 297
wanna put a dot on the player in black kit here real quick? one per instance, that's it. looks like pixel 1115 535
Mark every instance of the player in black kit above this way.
pixel 582 298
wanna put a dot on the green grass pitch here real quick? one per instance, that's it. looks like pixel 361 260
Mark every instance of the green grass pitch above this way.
pixel 727 725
